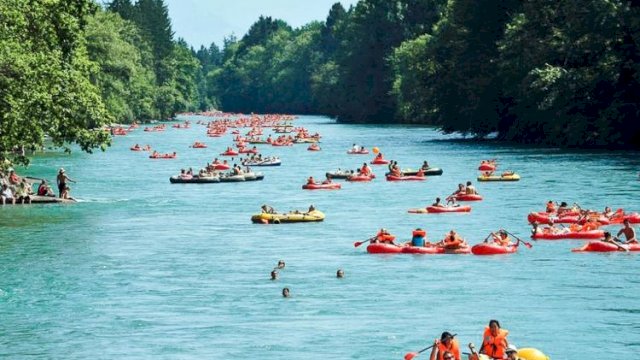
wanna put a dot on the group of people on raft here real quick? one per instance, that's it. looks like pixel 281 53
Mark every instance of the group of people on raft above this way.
pixel 17 189
pixel 494 345
pixel 451 241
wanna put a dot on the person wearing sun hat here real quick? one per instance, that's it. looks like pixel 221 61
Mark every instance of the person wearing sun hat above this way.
pixel 62 179
pixel 512 352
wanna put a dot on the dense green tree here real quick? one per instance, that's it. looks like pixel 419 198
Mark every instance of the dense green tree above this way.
pixel 45 87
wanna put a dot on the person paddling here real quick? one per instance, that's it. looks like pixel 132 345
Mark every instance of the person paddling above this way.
pixel 437 203
pixel 447 348
pixel 501 238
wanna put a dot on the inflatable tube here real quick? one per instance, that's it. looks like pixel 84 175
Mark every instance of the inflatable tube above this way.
pixel 601 246
pixel 360 152
pixel 384 248
pixel 468 197
pixel 531 354
pixel 379 162
pixel 331 186
pixel 292 217
pixel 514 177
pixel 592 234
pixel 492 249
pixel 405 178
pixel 487 167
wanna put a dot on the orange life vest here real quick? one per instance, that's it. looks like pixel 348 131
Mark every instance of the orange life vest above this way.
pixel 453 348
pixel 419 233
pixel 452 244
pixel 494 346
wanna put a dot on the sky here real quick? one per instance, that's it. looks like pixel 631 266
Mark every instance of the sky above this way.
pixel 201 22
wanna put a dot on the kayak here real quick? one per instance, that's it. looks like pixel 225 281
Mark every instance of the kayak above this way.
pixel 361 178
pixel 591 234
pixel 545 218
pixel 405 178
pixel 318 186
pixel 440 210
pixel 385 248
pixel 468 197
pixel 291 217
pixel 195 179
pixel 512 177
pixel 340 174
pixel 493 249
pixel 601 246
pixel 377 161
pixel 359 152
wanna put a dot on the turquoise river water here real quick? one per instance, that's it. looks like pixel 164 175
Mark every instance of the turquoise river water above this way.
pixel 144 269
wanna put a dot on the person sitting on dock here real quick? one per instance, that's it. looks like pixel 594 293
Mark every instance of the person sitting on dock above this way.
pixel 23 192
pixel 45 190
pixel 14 179
pixel 6 195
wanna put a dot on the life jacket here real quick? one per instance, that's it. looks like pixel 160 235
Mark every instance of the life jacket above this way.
pixel 453 348
pixel 388 238
pixel 551 208
pixel 452 244
pixel 419 233
pixel 494 346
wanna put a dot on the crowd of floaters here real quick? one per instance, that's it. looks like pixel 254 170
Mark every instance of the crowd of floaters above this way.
pixel 547 224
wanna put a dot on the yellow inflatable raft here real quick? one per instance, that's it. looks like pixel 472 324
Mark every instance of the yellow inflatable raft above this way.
pixel 291 217
pixel 524 354
pixel 503 177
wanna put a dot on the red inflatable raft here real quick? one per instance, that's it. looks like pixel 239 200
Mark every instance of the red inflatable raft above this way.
pixel 468 197
pixel 405 178
pixel 377 161
pixel 229 153
pixel 360 152
pixel 601 246
pixel 493 249
pixel 221 166
pixel 487 167
pixel 545 218
pixel 380 248
pixel 591 234
pixel 360 178
pixel 313 148
pixel 331 186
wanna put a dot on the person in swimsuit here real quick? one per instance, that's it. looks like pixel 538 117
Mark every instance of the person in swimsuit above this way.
pixel 62 179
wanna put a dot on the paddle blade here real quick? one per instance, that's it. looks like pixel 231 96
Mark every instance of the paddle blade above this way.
pixel 410 355
pixel 357 243
pixel 528 245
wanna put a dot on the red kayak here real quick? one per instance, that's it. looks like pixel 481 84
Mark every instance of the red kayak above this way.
pixel 601 246
pixel 591 234
pixel 360 152
pixel 360 178
pixel 493 249
pixel 377 161
pixel 468 197
pixel 318 186
pixel 405 178
pixel 379 248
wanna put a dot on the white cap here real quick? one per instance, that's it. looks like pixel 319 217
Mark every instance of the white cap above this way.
pixel 511 348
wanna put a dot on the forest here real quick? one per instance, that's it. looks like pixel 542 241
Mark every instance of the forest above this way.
pixel 558 73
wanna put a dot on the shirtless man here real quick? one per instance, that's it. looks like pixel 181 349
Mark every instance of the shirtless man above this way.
pixel 628 232
pixel 62 179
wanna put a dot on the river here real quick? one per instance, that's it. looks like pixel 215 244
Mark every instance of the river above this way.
pixel 144 269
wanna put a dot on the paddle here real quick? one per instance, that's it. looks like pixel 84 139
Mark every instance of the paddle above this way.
pixel 615 242
pixel 411 355
pixel 358 243
pixel 474 353
pixel 528 245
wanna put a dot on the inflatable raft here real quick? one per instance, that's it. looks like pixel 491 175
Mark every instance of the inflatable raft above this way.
pixel 385 248
pixel 359 152
pixel 548 235
pixel 195 179
pixel 493 249
pixel 432 171
pixel 273 162
pixel 292 217
pixel 319 186
pixel 377 161
pixel 361 178
pixel 468 197
pixel 405 178
pixel 545 218
pixel 512 177
pixel 601 246
pixel 230 153
pixel 340 174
